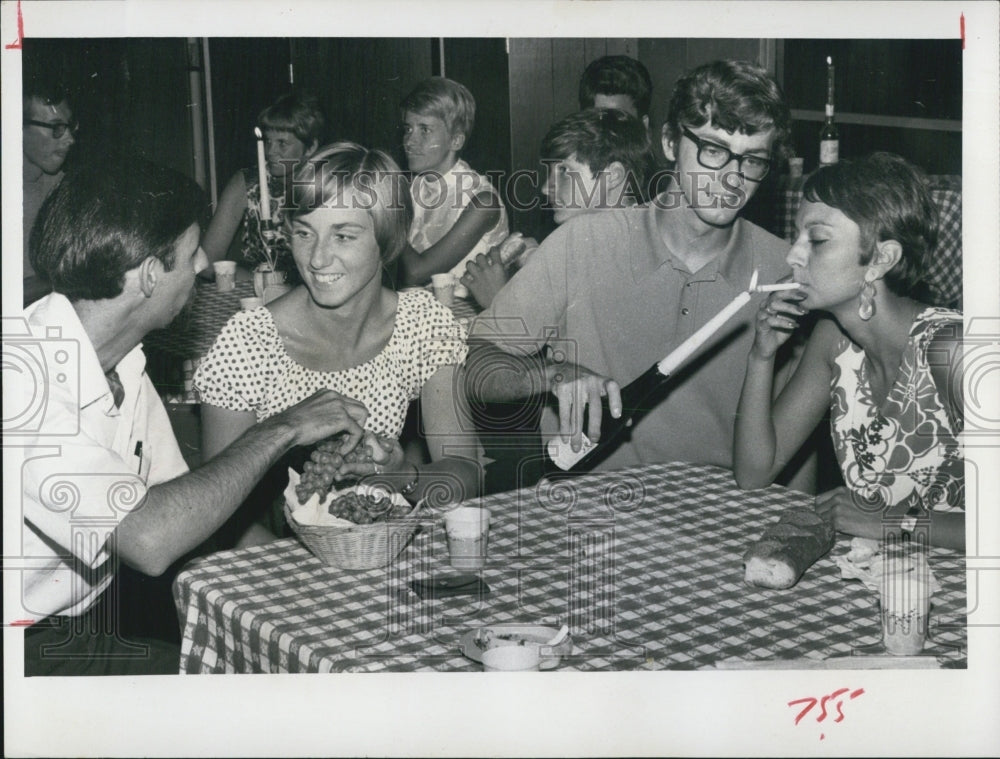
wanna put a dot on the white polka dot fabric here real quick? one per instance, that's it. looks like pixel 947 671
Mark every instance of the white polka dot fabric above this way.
pixel 248 369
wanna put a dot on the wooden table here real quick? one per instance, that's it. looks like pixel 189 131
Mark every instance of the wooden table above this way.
pixel 643 565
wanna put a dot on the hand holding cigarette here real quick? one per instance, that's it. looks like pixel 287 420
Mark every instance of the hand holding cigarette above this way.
pixel 777 317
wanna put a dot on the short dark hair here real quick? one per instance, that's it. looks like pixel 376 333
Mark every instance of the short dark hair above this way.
pixel 298 113
pixel 598 137
pixel 617 75
pixel 372 174
pixel 447 99
pixel 889 199
pixel 44 86
pixel 105 219
pixel 735 96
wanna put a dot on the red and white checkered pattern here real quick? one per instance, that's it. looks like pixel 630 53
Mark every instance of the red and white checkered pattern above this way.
pixel 644 565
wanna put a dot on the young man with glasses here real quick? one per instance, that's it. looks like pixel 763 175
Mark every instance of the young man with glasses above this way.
pixel 49 133
pixel 617 291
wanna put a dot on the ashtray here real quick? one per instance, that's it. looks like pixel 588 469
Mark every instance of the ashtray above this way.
pixel 475 642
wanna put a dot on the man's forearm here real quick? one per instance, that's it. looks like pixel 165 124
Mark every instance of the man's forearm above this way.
pixel 495 376
pixel 178 515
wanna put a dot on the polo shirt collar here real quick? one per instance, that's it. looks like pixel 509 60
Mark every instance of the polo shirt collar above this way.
pixel 734 266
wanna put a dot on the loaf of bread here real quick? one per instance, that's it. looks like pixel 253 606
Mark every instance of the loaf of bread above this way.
pixel 788 548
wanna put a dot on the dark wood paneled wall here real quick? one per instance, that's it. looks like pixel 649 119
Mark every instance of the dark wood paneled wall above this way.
pixel 360 82
pixel 544 86
pixel 482 66
pixel 129 95
pixel 133 94
pixel 247 75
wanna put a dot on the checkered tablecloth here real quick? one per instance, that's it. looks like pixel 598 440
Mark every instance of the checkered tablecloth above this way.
pixel 173 353
pixel 644 566
pixel 944 269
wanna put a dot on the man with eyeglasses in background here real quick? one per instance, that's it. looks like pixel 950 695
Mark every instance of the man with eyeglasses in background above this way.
pixel 623 288
pixel 49 133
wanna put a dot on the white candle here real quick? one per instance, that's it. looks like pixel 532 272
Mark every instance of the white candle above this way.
pixel 265 197
pixel 685 350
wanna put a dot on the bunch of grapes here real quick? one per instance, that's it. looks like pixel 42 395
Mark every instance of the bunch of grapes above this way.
pixel 318 472
pixel 360 509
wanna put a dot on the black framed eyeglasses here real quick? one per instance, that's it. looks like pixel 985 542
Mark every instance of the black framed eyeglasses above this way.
pixel 714 156
pixel 58 127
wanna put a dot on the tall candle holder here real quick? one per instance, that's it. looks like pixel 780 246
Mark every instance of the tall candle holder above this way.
pixel 266 274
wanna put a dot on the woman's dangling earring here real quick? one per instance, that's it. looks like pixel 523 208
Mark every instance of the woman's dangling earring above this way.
pixel 866 310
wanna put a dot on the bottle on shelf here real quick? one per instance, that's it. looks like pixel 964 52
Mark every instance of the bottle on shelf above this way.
pixel 829 138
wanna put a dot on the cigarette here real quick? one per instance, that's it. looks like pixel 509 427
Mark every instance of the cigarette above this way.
pixel 775 288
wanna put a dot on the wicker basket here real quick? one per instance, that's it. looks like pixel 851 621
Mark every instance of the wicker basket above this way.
pixel 364 546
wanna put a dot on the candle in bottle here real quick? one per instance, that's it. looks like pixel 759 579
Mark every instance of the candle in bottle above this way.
pixel 265 196
pixel 636 394
pixel 829 139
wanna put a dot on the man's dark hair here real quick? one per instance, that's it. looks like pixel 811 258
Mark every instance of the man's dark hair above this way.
pixel 617 75
pixel 735 96
pixel 889 199
pixel 43 85
pixel 105 219
pixel 598 137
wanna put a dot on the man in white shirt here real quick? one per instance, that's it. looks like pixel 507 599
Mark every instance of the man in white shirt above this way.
pixel 102 478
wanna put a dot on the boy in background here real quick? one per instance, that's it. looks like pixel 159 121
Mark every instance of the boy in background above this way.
pixel 49 133
pixel 617 81
pixel 595 160
pixel 457 213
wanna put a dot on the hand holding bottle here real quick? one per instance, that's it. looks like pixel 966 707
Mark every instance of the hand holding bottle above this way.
pixel 580 390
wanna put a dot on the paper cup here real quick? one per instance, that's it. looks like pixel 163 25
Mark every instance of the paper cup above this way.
pixel 444 288
pixel 905 601
pixel 249 304
pixel 511 659
pixel 468 536
pixel 225 275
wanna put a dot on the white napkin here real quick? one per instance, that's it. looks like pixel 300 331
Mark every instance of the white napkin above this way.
pixel 866 562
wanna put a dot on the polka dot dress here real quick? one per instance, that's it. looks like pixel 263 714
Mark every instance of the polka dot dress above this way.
pixel 247 368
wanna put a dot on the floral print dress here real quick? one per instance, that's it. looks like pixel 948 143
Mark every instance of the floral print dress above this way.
pixel 909 444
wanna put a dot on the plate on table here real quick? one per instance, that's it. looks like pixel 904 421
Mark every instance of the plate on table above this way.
pixel 475 642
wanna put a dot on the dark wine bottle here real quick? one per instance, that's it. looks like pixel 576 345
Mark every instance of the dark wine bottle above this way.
pixel 637 397
pixel 641 394
pixel 829 137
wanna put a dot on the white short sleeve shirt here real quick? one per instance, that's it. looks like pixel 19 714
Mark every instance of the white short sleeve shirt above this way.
pixel 84 464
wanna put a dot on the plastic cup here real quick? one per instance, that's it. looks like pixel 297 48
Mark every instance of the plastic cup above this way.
pixel 225 275
pixel 249 304
pixel 468 531
pixel 795 167
pixel 905 603
pixel 444 288
pixel 511 659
